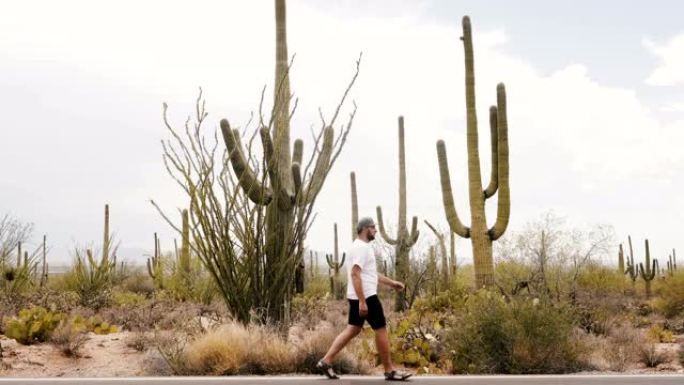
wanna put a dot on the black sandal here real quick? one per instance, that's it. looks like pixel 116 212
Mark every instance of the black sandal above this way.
pixel 327 370
pixel 396 375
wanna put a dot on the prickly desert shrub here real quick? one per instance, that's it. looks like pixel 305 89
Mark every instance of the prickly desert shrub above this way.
pixel 621 347
pixel 650 356
pixel 139 341
pixel 33 325
pixel 521 336
pixel 98 325
pixel 69 337
pixel 309 310
pixel 657 333
pixel 127 298
pixel 670 300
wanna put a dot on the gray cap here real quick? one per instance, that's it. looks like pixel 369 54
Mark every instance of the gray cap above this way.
pixel 363 223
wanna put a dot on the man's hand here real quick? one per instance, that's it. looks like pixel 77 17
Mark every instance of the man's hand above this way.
pixel 396 285
pixel 363 309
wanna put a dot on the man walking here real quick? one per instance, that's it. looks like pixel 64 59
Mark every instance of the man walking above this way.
pixel 364 305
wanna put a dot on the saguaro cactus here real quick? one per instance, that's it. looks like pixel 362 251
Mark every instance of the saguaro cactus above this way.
pixel 44 270
pixel 155 268
pixel 335 264
pixel 355 205
pixel 444 272
pixel 632 269
pixel 672 263
pixel 404 240
pixel 106 238
pixel 481 236
pixel 621 260
pixel 287 195
pixel 648 273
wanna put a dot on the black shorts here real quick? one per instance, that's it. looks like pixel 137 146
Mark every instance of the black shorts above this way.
pixel 375 317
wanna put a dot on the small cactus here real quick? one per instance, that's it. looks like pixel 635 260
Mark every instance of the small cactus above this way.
pixel 154 265
pixel 632 270
pixel 649 272
pixel 335 264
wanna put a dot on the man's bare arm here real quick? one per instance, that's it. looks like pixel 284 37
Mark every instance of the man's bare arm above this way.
pixel 390 282
pixel 358 284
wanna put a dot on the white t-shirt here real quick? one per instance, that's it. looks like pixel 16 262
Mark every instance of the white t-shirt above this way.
pixel 361 253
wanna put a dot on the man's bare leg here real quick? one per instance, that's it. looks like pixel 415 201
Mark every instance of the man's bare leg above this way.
pixel 340 342
pixel 382 344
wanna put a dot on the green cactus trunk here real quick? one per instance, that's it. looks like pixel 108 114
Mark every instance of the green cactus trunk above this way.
pixel 621 260
pixel 481 237
pixel 354 206
pixel 287 196
pixel 404 240
pixel 106 237
pixel 632 270
pixel 44 270
pixel 452 254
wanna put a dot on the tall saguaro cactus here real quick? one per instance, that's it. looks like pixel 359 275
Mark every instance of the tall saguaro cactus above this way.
pixel 621 260
pixel 404 240
pixel 287 190
pixel 335 265
pixel 672 263
pixel 649 272
pixel 354 205
pixel 480 235
pixel 107 238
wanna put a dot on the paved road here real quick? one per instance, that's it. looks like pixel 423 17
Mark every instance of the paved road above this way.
pixel 669 379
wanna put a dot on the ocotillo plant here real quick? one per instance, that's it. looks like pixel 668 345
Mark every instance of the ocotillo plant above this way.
pixel 481 236
pixel 155 266
pixel 632 269
pixel 444 272
pixel 335 264
pixel 404 240
pixel 648 273
pixel 287 189
pixel 354 205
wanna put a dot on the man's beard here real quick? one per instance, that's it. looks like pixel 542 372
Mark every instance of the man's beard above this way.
pixel 371 237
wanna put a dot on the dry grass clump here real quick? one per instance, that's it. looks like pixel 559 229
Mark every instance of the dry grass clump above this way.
pixel 233 349
pixel 621 347
pixel 650 356
pixel 69 338
pixel 139 341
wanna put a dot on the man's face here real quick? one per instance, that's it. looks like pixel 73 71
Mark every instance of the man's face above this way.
pixel 370 232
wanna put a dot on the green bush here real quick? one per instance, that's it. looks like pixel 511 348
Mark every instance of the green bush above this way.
pixel 670 291
pixel 33 325
pixel 521 336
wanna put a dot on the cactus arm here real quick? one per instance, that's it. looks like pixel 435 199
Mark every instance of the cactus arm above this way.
pixel 248 180
pixel 494 177
pixel 150 270
pixel 355 204
pixel 381 225
pixel 285 196
pixel 344 255
pixel 447 194
pixel 503 211
pixel 298 151
pixel 321 169
pixel 413 236
pixel 328 258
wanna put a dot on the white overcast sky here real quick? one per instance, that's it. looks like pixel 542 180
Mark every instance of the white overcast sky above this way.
pixel 596 107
